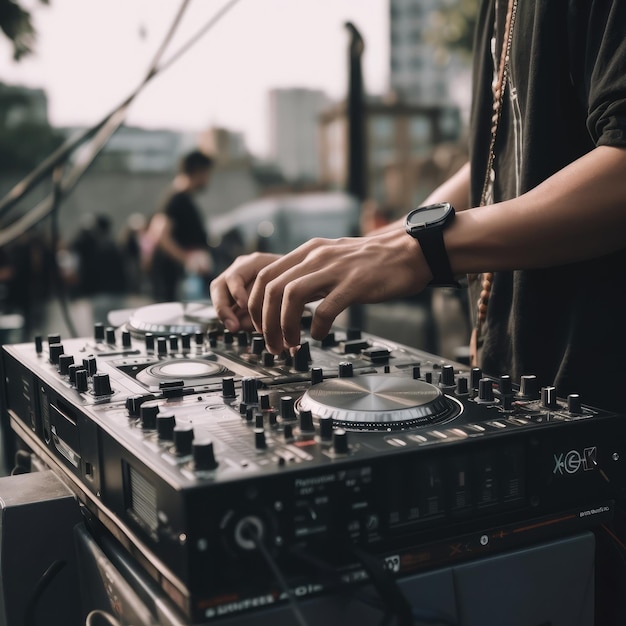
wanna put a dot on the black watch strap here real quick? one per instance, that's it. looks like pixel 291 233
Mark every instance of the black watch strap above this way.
pixel 434 249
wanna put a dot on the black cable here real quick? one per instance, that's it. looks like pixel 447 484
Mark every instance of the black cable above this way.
pixel 42 584
pixel 252 533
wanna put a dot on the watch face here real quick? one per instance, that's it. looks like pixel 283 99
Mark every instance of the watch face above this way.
pixel 429 215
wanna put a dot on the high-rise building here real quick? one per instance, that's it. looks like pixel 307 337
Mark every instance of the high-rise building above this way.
pixel 419 72
pixel 294 122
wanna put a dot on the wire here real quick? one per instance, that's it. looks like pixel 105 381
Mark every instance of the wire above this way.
pixel 99 616
pixel 100 135
pixel 42 584
pixel 252 533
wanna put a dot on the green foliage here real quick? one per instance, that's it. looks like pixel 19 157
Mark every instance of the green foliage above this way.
pixel 25 145
pixel 16 24
pixel 453 26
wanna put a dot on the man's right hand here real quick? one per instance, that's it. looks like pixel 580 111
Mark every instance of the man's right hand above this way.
pixel 231 289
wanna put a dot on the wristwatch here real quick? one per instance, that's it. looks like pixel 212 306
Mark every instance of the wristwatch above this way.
pixel 426 224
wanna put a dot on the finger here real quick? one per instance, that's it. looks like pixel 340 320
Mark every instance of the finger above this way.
pixel 273 271
pixel 285 299
pixel 224 304
pixel 338 300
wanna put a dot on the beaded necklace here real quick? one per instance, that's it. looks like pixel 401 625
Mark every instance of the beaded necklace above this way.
pixel 499 89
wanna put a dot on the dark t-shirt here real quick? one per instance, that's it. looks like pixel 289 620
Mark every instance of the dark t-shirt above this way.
pixel 566 95
pixel 189 231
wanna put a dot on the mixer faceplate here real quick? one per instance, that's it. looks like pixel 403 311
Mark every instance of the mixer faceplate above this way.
pixel 374 402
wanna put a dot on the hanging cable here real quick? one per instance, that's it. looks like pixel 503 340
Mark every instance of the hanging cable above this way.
pixel 99 135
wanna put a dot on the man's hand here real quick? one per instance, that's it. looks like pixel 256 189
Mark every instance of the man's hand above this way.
pixel 231 289
pixel 340 272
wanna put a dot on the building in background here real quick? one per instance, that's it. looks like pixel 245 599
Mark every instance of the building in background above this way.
pixel 400 139
pixel 421 72
pixel 294 129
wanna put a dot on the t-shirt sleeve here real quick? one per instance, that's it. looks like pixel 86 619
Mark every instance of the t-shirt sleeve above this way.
pixel 598 67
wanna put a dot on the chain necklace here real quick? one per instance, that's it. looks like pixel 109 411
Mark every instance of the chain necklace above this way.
pixel 499 89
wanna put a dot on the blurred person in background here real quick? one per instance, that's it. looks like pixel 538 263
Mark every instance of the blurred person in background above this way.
pixel 179 237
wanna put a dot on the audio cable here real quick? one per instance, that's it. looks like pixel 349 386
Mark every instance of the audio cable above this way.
pixel 251 532
pixel 42 584
pixel 101 618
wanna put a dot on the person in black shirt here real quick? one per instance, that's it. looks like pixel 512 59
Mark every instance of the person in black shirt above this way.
pixel 179 232
pixel 545 239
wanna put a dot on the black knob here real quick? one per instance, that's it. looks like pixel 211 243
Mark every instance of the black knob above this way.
pixel 148 415
pixel 346 369
pixel 326 428
pixel 485 390
pixel 89 363
pixel 264 401
pixel 250 413
pixel 173 343
pixel 54 338
pixel 340 441
pixel 228 337
pixel 268 359
pixel 475 375
pixel 149 342
pixel 428 377
pixel 71 371
pixel 301 361
pixel 258 344
pixel 228 387
pixel 548 397
pixel 55 350
pixel 165 426
pixel 447 376
pixel 38 344
pixel 305 348
pixel 462 386
pixel 185 339
pixel 306 422
pixel 213 337
pixel 98 332
pixel 249 390
pixel 417 372
pixel 287 411
pixel 65 360
pixel 161 346
pixel 126 339
pixel 529 387
pixel 259 439
pixel 81 380
pixel 101 384
pixel 329 341
pixel 317 375
pixel 133 403
pixel 110 335
pixel 199 337
pixel 288 432
pixel 273 417
pixel 204 455
pixel 259 421
pixel 574 404
pixel 505 385
pixel 183 440
pixel 242 338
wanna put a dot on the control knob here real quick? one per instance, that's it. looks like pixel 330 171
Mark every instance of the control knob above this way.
pixel 204 455
pixel 183 440
pixel 148 415
pixel 165 423
pixel 55 350
pixel 249 390
pixel 101 384
pixel 340 441
pixel 65 360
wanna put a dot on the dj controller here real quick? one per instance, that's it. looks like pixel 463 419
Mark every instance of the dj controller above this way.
pixel 207 457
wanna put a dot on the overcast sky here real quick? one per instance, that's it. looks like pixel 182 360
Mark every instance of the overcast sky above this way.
pixel 92 53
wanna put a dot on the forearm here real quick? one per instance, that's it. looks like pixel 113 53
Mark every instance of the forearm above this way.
pixel 578 213
pixel 454 190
